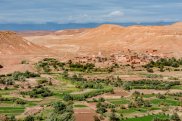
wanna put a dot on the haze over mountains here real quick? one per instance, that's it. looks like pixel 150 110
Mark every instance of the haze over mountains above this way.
pixel 56 26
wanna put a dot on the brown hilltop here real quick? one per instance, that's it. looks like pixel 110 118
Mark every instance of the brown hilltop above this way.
pixel 114 38
pixel 11 43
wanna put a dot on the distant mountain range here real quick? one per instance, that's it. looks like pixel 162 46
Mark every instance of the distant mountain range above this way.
pixel 56 26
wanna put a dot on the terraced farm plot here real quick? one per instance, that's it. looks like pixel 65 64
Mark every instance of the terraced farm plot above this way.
pixel 177 87
pixel 80 106
pixel 118 101
pixel 90 95
pixel 148 118
pixel 165 101
pixel 11 110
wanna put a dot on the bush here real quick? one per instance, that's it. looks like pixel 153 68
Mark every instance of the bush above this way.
pixel 12 118
pixel 175 117
pixel 165 62
pixel 114 117
pixel 150 84
pixel 101 99
pixel 101 108
pixel 81 97
pixel 1 66
pixel 81 67
pixel 29 118
pixel 20 101
pixel 160 96
pixel 24 62
pixel 38 91
pixel 150 70
pixel 62 112
pixel 67 97
pixel 153 76
pixel 96 118
pixel 42 81
pixel 21 76
pixel 48 65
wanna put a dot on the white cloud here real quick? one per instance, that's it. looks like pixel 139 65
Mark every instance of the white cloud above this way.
pixel 116 13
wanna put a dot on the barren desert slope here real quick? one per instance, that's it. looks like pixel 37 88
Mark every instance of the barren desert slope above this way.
pixel 12 44
pixel 14 49
pixel 113 38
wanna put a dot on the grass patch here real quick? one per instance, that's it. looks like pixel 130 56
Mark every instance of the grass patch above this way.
pixel 130 110
pixel 165 101
pixel 6 92
pixel 148 96
pixel 177 87
pixel 147 118
pixel 118 101
pixel 80 106
pixel 11 110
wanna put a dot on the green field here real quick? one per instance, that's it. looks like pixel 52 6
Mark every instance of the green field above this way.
pixel 147 118
pixel 11 110
pixel 177 87
pixel 80 106
pixel 69 88
pixel 165 101
pixel 118 101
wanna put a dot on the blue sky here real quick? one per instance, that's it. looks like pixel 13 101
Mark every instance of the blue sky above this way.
pixel 84 11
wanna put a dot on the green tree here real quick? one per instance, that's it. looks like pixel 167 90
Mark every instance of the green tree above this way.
pixel 62 112
pixel 101 108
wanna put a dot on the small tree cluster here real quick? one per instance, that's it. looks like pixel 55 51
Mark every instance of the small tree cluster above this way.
pixel 62 112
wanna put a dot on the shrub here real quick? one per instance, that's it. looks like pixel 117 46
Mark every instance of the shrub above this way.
pixel 21 76
pixel 38 91
pixel 12 118
pixel 165 62
pixel 62 112
pixel 101 108
pixel 150 84
pixel 150 70
pixel 81 97
pixel 160 96
pixel 153 76
pixel 48 65
pixel 6 88
pixel 67 97
pixel 24 62
pixel 81 67
pixel 101 99
pixel 175 117
pixel 29 118
pixel 42 81
pixel 114 117
pixel 1 66
pixel 96 118
pixel 20 101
